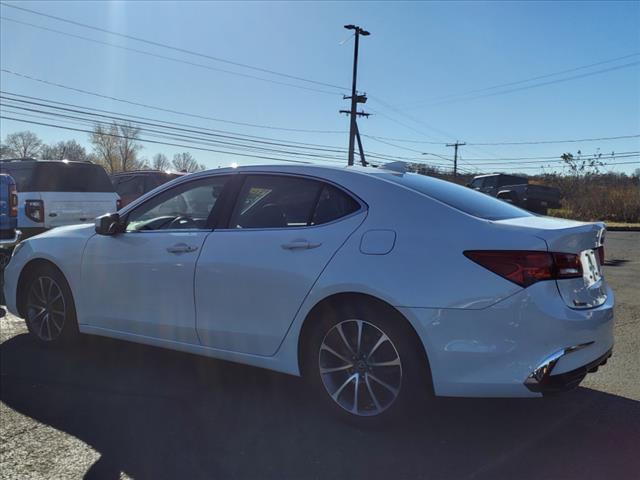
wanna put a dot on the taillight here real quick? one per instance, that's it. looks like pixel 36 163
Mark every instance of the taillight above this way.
pixel 13 201
pixel 567 265
pixel 528 267
pixel 34 209
pixel 118 204
pixel 600 251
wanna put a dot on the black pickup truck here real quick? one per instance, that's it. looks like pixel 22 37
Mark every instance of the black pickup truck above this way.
pixel 516 190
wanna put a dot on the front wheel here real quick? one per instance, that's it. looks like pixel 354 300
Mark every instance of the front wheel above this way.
pixel 366 366
pixel 49 308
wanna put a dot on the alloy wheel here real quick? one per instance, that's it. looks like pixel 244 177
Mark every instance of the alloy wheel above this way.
pixel 360 367
pixel 46 309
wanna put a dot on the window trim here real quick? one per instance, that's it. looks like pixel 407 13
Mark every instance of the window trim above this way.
pixel 225 227
pixel 210 219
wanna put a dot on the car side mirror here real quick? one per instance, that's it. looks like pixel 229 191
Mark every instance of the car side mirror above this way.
pixel 108 224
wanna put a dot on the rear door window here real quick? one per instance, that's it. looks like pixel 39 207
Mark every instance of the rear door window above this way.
pixel 333 204
pixel 273 201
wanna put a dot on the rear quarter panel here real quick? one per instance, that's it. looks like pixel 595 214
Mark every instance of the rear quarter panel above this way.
pixel 426 267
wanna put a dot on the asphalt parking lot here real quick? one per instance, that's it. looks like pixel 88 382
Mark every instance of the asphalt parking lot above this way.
pixel 110 409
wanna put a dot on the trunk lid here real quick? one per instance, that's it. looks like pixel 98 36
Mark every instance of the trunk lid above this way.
pixel 580 238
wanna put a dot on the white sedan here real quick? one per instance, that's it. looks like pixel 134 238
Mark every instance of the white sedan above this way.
pixel 381 287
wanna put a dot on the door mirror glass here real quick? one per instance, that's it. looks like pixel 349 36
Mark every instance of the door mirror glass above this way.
pixel 108 224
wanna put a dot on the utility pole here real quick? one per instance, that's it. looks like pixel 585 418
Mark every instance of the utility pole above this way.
pixel 355 98
pixel 455 155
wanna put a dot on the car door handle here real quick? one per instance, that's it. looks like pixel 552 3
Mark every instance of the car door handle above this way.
pixel 181 248
pixel 300 245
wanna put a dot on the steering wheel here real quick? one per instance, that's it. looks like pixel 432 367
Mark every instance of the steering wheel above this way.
pixel 182 222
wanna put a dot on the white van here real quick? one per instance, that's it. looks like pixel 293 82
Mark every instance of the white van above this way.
pixel 56 193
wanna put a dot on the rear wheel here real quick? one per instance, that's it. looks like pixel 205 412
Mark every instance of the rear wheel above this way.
pixel 49 309
pixel 366 365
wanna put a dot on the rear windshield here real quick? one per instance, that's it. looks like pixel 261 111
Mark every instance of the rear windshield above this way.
pixel 58 177
pixel 463 198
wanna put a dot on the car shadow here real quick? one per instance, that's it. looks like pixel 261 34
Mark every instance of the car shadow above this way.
pixel 156 414
pixel 615 262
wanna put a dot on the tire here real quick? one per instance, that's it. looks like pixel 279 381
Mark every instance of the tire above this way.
pixel 385 393
pixel 49 309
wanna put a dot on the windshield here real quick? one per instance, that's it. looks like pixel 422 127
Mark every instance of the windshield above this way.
pixel 462 198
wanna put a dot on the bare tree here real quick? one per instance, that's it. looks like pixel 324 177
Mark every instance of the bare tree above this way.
pixel 105 147
pixel 128 147
pixel 22 145
pixel 160 162
pixel 184 162
pixel 580 166
pixel 116 147
pixel 4 151
pixel 66 150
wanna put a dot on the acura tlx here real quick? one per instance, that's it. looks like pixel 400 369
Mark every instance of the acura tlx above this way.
pixel 381 287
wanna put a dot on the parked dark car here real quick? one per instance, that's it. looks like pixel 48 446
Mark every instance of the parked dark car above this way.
pixel 9 233
pixel 131 185
pixel 518 191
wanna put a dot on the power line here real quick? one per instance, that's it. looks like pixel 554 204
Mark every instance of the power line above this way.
pixel 231 134
pixel 526 80
pixel 163 125
pixel 181 145
pixel 542 84
pixel 177 49
pixel 153 141
pixel 115 116
pixel 167 110
pixel 566 166
pixel 259 148
pixel 183 137
pixel 535 142
pixel 164 57
pixel 542 142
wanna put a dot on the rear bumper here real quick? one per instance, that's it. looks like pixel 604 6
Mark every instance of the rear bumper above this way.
pixel 542 379
pixel 11 240
pixel 492 352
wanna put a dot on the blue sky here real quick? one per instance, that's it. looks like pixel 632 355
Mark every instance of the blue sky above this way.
pixel 416 66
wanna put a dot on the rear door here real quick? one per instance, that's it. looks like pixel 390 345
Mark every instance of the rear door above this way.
pixel 253 275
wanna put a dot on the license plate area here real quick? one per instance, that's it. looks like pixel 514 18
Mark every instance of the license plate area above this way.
pixel 591 269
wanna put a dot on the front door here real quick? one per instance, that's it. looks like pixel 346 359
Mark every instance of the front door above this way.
pixel 141 281
pixel 253 276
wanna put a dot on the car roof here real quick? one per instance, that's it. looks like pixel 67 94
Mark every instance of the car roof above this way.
pixel 498 175
pixel 146 172
pixel 301 168
pixel 31 161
